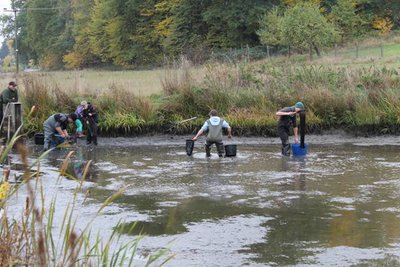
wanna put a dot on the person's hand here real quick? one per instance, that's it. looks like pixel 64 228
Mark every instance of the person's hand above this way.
pixel 292 113
pixel 296 140
pixel 229 136
pixel 90 114
pixel 194 138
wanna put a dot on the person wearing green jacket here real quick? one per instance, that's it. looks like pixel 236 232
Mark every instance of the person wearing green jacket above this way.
pixel 10 94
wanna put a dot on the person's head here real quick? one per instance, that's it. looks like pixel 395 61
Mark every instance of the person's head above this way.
pixel 213 113
pixel 72 117
pixel 299 106
pixel 84 104
pixel 12 86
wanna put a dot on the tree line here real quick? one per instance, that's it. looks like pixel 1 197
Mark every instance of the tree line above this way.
pixel 56 34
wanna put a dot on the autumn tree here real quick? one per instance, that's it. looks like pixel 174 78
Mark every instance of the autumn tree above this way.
pixel 304 27
pixel 345 18
pixel 80 55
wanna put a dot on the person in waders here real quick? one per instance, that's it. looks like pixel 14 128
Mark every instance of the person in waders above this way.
pixel 213 127
pixel 88 114
pixel 287 118
pixel 57 124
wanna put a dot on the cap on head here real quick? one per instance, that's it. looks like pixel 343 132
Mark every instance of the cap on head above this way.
pixel 12 83
pixel 83 103
pixel 73 116
pixel 299 105
pixel 213 113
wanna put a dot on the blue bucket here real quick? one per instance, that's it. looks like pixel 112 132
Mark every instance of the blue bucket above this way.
pixel 298 151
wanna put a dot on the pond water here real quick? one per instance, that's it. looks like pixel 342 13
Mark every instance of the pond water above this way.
pixel 337 206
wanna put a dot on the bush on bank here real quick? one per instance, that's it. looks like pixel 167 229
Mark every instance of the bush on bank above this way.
pixel 246 94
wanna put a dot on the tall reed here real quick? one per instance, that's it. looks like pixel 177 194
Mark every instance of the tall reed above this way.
pixel 31 239
pixel 344 96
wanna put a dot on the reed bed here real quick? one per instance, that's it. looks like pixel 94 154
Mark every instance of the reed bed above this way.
pixel 248 93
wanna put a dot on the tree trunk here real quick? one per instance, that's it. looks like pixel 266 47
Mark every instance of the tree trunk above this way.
pixel 316 50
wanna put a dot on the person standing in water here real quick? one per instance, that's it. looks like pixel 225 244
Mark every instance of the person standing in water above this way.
pixel 89 115
pixel 213 127
pixel 287 119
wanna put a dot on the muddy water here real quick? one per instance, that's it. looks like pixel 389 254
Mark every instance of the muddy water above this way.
pixel 338 206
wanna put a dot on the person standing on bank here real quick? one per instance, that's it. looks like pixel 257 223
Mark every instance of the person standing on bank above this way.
pixel 213 127
pixel 57 124
pixel 10 94
pixel 287 118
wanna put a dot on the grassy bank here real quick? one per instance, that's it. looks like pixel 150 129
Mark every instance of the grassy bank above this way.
pixel 355 94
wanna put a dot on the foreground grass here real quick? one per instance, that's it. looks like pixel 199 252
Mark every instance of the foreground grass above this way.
pixel 31 239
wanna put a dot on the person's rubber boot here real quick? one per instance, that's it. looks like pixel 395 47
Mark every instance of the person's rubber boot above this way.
pixel 88 139
pixel 208 152
pixel 95 140
pixel 221 150
pixel 286 150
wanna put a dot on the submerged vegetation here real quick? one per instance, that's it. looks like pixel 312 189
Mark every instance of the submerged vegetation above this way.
pixel 354 97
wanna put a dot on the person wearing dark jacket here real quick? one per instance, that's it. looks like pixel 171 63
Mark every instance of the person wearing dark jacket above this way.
pixel 10 94
pixel 89 115
pixel 287 119
pixel 57 124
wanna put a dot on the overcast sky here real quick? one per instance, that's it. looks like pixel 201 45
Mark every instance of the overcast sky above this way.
pixel 4 4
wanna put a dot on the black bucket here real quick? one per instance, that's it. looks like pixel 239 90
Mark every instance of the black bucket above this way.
pixel 39 138
pixel 189 147
pixel 230 151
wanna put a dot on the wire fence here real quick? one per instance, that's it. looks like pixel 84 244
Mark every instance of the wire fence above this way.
pixel 356 51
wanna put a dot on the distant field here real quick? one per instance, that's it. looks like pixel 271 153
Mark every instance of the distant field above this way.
pixel 141 83
pixel 148 82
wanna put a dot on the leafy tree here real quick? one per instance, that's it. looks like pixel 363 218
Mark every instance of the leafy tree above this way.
pixel 305 27
pixel 270 31
pixel 344 17
pixel 81 54
pixel 373 9
pixel 188 30
pixel 48 27
pixel 98 40
pixel 234 23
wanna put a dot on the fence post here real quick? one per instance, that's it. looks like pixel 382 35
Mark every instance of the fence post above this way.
pixel 357 50
pixel 335 50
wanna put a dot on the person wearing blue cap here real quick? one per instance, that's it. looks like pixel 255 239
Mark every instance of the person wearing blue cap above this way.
pixel 287 119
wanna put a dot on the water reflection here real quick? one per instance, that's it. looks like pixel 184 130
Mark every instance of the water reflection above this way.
pixel 297 165
pixel 174 219
pixel 318 206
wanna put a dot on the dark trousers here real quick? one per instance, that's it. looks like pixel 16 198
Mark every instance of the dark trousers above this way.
pixel 283 133
pixel 92 132
pixel 218 144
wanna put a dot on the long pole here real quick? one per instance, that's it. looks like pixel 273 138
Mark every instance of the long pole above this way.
pixel 16 41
